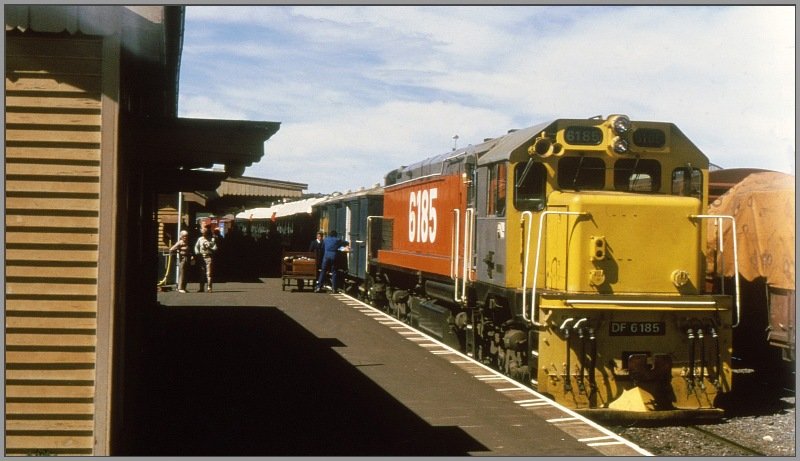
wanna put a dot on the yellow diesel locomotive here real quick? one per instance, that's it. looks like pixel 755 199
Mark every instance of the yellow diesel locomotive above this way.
pixel 571 256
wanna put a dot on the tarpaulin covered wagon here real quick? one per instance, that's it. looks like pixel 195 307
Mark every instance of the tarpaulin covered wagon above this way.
pixel 763 207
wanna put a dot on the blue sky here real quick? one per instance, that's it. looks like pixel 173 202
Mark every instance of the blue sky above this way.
pixel 361 90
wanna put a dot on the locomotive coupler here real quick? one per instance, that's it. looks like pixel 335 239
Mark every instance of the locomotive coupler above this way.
pixel 652 389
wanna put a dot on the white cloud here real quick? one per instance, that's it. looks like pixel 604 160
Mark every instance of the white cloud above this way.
pixel 368 88
pixel 359 148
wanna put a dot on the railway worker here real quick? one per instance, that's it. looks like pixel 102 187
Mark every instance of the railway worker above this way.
pixel 318 250
pixel 184 252
pixel 206 247
pixel 331 244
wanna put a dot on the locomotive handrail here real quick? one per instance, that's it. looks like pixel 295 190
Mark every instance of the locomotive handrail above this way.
pixel 544 214
pixel 367 248
pixel 525 264
pixel 720 247
pixel 639 302
pixel 454 241
pixel 469 214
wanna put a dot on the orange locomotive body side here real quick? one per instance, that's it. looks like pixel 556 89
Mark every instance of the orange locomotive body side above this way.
pixel 423 216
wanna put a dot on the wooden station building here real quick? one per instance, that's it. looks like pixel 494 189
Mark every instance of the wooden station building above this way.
pixel 92 139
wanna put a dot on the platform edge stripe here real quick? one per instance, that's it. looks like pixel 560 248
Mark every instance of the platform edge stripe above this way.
pixel 561 420
pixel 594 439
pixel 548 402
pixel 604 444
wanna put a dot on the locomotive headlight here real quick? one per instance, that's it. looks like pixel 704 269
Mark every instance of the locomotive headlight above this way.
pixel 620 145
pixel 621 124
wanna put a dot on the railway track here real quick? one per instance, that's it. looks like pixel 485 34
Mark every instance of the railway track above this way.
pixel 759 421
pixel 719 439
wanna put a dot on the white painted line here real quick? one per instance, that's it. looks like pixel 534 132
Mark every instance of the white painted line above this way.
pixel 593 439
pixel 561 420
pixel 545 401
pixel 604 444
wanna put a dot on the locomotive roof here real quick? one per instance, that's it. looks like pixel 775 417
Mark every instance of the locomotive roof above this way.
pixel 335 197
pixel 489 151
pixel 505 145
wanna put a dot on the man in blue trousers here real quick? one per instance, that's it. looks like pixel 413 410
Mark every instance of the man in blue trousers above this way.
pixel 332 244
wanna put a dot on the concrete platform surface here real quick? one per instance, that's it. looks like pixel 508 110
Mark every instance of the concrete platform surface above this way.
pixel 252 370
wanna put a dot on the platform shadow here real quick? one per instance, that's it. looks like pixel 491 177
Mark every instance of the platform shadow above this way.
pixel 250 381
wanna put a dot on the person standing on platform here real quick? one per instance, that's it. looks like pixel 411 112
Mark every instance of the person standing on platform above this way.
pixel 205 247
pixel 184 251
pixel 318 249
pixel 332 244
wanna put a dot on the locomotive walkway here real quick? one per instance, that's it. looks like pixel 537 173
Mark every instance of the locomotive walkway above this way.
pixel 252 370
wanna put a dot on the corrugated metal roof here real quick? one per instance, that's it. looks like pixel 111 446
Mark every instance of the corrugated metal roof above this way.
pixel 136 23
pixel 91 20
pixel 260 187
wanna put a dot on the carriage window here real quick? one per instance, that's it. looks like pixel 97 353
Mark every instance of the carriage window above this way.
pixel 497 190
pixel 529 184
pixel 637 175
pixel 581 173
pixel 687 182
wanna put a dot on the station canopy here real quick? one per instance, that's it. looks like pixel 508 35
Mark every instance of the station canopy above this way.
pixel 281 210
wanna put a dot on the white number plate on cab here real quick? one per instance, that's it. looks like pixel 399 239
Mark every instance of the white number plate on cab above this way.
pixel 637 329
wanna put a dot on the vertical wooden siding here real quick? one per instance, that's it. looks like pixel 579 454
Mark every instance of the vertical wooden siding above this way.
pixel 53 126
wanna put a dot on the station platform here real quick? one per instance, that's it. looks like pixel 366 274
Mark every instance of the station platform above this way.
pixel 253 370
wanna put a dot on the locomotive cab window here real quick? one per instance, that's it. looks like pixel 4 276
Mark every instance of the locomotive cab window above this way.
pixel 637 175
pixel 687 182
pixel 581 173
pixel 497 190
pixel 529 186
